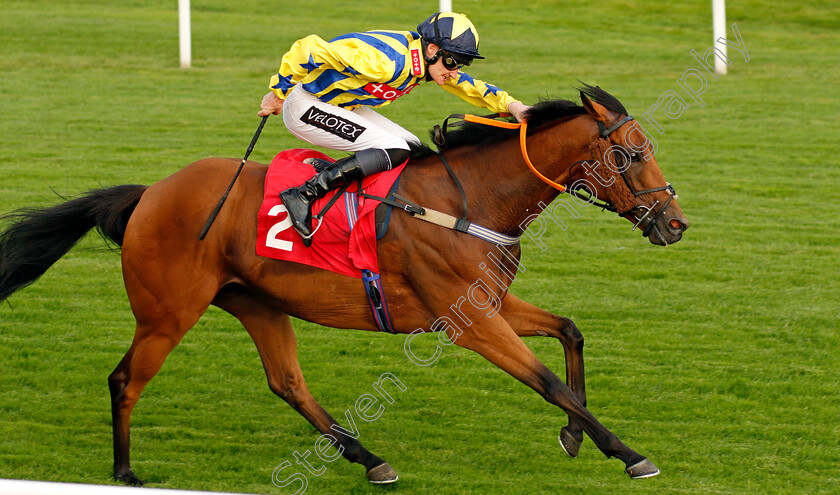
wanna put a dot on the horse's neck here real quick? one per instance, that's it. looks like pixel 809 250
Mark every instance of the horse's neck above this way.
pixel 502 190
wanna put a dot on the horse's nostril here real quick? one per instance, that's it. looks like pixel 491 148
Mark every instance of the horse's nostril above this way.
pixel 676 224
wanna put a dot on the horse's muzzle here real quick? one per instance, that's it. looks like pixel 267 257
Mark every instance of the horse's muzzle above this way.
pixel 667 230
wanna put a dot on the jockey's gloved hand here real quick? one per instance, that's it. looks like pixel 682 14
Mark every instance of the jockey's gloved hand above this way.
pixel 518 110
pixel 271 105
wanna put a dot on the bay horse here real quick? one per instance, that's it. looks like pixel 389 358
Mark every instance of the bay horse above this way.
pixel 171 277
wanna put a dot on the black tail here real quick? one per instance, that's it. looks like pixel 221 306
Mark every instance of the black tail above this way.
pixel 39 237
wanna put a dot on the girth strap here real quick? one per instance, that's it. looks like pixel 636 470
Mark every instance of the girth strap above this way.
pixel 376 299
pixel 371 281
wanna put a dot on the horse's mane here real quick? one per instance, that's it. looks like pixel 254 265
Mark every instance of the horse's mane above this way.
pixel 542 113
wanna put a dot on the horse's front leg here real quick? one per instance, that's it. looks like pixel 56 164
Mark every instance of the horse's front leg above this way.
pixel 528 320
pixel 493 338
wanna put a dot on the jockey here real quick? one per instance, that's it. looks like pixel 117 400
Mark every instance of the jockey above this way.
pixel 326 90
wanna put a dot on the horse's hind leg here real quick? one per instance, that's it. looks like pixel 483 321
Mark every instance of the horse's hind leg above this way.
pixel 272 332
pixel 153 341
pixel 166 301
pixel 528 320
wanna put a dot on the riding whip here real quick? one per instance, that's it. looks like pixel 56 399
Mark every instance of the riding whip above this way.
pixel 242 164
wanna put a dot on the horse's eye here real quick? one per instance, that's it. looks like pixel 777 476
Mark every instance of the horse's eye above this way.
pixel 634 157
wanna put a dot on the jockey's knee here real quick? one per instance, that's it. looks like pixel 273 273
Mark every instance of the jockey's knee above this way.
pixel 397 156
pixel 375 160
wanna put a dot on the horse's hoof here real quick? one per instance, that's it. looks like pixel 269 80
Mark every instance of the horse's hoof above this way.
pixel 382 474
pixel 570 444
pixel 129 478
pixel 642 469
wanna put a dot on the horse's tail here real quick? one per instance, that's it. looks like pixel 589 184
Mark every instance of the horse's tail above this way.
pixel 38 237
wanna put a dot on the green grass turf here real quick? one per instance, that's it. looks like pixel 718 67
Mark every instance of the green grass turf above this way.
pixel 716 357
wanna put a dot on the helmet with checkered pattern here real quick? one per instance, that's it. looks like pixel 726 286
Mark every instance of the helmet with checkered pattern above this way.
pixel 452 32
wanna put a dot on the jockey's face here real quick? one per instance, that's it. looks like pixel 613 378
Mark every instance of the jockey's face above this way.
pixel 437 72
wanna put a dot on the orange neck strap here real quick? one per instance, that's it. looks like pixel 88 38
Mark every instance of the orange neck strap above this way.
pixel 523 128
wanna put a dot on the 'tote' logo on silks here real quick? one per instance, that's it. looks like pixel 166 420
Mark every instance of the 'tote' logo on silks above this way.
pixel 416 65
pixel 382 90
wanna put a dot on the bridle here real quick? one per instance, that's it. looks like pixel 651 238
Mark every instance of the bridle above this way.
pixel 639 212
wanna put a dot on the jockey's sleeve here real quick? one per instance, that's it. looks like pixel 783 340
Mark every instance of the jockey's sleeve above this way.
pixel 316 63
pixel 479 93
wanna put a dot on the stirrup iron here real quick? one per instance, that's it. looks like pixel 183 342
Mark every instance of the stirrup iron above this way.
pixel 308 237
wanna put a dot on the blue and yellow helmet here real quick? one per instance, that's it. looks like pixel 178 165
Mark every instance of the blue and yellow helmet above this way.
pixel 452 32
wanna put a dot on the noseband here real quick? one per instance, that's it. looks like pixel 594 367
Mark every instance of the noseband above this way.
pixel 639 212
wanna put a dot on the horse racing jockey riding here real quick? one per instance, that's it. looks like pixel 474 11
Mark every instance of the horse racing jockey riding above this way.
pixel 325 91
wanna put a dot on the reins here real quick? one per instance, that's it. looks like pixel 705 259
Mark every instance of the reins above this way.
pixel 440 138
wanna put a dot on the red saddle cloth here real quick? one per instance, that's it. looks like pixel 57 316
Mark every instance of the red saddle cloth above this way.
pixel 346 242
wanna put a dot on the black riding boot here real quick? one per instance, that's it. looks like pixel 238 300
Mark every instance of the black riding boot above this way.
pixel 298 200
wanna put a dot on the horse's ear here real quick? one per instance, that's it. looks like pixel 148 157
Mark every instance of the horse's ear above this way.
pixel 595 109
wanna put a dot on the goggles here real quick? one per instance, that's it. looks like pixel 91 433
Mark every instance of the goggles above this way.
pixel 450 62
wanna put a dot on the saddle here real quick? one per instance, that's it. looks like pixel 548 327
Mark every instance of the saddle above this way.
pixel 346 242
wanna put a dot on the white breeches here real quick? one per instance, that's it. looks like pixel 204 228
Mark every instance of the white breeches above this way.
pixel 323 124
